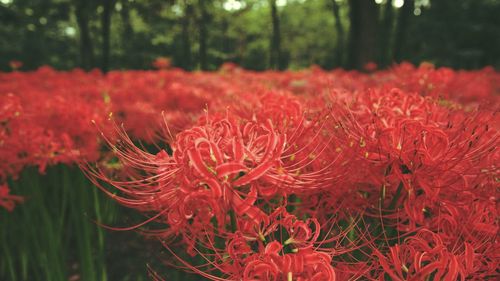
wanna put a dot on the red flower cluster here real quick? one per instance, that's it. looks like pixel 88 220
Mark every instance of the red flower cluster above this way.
pixel 45 119
pixel 162 63
pixel 311 175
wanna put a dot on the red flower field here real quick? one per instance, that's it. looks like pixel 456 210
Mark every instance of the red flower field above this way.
pixel 308 175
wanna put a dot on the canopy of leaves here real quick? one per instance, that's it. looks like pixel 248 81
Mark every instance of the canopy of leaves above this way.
pixel 461 34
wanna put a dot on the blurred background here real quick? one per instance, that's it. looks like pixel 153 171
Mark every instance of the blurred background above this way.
pixel 256 34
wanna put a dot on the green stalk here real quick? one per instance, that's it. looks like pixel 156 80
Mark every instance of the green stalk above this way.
pixel 54 223
pixel 233 221
pixel 395 199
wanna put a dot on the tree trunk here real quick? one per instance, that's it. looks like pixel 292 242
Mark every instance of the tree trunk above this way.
pixel 340 34
pixel 386 34
pixel 86 49
pixel 127 33
pixel 106 27
pixel 275 58
pixel 402 28
pixel 225 42
pixel 186 42
pixel 362 37
pixel 202 25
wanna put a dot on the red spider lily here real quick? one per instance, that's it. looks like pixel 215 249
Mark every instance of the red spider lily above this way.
pixel 245 258
pixel 8 201
pixel 218 168
pixel 307 175
pixel 370 66
pixel 224 162
pixel 15 64
pixel 162 63
pixel 305 264
pixel 229 67
pixel 138 100
pixel 301 233
pixel 425 254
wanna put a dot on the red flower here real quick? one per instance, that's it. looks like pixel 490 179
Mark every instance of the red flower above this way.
pixel 8 201
pixel 162 63
pixel 370 66
pixel 305 264
pixel 425 254
pixel 15 64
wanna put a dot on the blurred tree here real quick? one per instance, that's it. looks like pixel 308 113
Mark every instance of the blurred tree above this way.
pixel 207 33
pixel 126 34
pixel 310 39
pixel 83 10
pixel 460 34
pixel 275 58
pixel 404 17
pixel 106 29
pixel 385 38
pixel 362 37
pixel 186 41
pixel 340 33
pixel 203 21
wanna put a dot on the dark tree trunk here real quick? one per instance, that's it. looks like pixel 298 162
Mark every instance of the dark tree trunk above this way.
pixel 275 58
pixel 202 25
pixel 402 28
pixel 386 34
pixel 86 48
pixel 225 37
pixel 106 28
pixel 362 37
pixel 339 52
pixel 127 33
pixel 186 41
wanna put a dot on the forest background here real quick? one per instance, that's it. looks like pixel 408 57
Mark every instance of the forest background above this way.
pixel 255 34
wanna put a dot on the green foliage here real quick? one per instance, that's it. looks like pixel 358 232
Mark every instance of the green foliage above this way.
pixel 53 236
pixel 459 34
pixel 308 34
pixel 451 33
